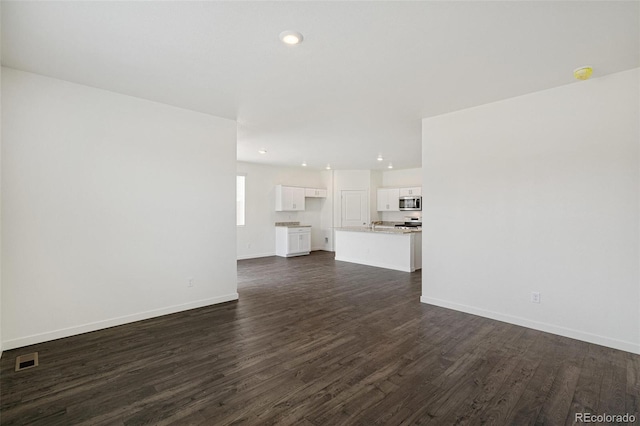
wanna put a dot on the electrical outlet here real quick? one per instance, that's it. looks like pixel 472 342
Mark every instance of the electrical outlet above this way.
pixel 326 240
pixel 535 297
pixel 190 282
pixel 248 245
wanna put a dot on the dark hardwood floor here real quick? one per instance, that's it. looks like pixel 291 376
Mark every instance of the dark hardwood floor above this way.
pixel 317 342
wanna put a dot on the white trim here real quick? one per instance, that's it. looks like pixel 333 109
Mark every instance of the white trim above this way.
pixel 99 325
pixel 258 255
pixel 537 325
pixel 255 255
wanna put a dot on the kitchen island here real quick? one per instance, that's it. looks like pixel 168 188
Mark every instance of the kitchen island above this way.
pixel 398 249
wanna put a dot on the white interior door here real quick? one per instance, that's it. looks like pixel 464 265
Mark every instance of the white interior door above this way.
pixel 355 208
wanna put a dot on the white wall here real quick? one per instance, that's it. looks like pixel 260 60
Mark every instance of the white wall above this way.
pixel 1 347
pixel 326 214
pixel 110 204
pixel 257 237
pixel 376 182
pixel 539 193
pixel 400 179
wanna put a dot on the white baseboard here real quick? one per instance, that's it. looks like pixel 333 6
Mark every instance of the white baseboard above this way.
pixel 258 255
pixel 255 256
pixel 537 325
pixel 99 325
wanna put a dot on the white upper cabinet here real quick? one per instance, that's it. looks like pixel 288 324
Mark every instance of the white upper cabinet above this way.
pixel 315 193
pixel 388 200
pixel 289 198
pixel 408 192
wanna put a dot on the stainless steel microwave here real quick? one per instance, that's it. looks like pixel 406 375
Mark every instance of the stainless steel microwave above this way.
pixel 410 203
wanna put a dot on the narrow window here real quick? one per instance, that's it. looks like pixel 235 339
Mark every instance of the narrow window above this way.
pixel 240 189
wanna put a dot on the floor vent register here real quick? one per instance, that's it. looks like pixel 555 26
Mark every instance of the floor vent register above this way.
pixel 24 362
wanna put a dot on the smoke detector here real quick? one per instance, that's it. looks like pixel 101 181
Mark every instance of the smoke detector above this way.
pixel 583 73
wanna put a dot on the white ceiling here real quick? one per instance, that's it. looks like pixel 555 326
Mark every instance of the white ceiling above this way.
pixel 358 85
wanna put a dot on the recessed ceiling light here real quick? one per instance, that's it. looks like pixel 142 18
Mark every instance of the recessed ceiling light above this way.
pixel 262 151
pixel 328 167
pixel 291 37
pixel 380 157
pixel 304 164
pixel 390 166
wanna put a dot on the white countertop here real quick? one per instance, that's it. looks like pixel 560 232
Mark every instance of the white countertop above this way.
pixel 378 230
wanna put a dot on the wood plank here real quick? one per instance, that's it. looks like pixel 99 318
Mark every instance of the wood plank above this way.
pixel 632 395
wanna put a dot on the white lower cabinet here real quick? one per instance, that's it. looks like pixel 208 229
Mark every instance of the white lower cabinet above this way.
pixel 293 241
